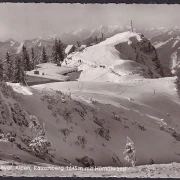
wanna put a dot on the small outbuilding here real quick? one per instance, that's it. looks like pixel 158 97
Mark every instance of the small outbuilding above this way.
pixel 69 49
pixel 82 47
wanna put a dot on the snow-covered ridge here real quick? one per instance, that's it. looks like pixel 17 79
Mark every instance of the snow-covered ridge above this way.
pixel 116 57
pixel 122 37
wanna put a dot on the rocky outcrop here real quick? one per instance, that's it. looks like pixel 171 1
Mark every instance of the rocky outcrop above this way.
pixel 145 50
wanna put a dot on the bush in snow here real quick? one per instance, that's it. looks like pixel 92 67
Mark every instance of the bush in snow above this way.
pixel 116 117
pixel 93 101
pixel 82 141
pixel 36 126
pixel 66 132
pixel 86 161
pixel 63 99
pixel 68 95
pixel 19 115
pixel 1 136
pixel 162 128
pixel 40 146
pixel 130 152
pixel 104 133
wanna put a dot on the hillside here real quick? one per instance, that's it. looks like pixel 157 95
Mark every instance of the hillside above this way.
pixel 87 118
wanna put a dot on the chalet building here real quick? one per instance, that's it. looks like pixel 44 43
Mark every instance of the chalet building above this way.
pixel 69 49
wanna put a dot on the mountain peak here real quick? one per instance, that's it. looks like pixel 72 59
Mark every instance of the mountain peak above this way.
pixel 11 39
pixel 48 36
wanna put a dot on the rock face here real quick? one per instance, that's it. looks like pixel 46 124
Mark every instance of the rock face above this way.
pixel 142 52
pixel 145 50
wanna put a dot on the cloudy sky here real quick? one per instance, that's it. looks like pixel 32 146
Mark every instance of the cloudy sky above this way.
pixel 25 21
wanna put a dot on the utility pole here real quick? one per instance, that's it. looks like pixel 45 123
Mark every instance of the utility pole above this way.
pixel 102 36
pixel 131 26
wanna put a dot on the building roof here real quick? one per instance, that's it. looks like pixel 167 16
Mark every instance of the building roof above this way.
pixel 68 48
pixel 83 46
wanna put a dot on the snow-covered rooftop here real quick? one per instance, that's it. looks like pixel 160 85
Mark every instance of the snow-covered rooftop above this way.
pixel 69 47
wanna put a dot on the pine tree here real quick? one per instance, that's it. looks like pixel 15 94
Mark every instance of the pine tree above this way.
pixel 44 57
pixel 26 59
pixel 131 26
pixel 33 59
pixel 130 152
pixel 58 51
pixel 55 52
pixel 96 40
pixel 102 36
pixel 8 68
pixel 1 71
pixel 61 53
pixel 78 44
pixel 19 75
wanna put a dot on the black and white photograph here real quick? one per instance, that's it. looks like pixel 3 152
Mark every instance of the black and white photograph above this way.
pixel 90 90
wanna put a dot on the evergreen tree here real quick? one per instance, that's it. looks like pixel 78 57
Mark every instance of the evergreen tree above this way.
pixel 55 52
pixel 78 44
pixel 8 68
pixel 44 57
pixel 102 36
pixel 61 53
pixel 130 152
pixel 96 40
pixel 1 71
pixel 58 51
pixel 26 59
pixel 19 75
pixel 33 59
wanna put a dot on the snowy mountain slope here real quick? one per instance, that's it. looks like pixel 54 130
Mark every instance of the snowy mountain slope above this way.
pixel 126 53
pixel 167 46
pixel 153 118
pixel 82 122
